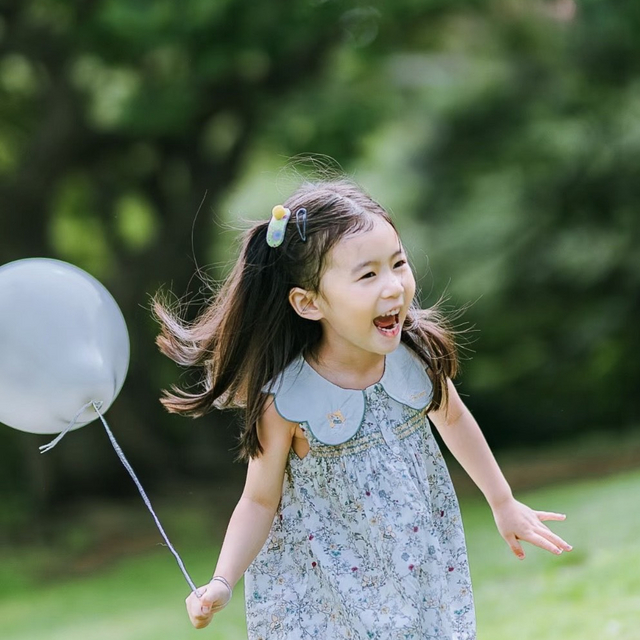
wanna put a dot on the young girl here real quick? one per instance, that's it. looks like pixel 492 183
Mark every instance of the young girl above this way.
pixel 348 526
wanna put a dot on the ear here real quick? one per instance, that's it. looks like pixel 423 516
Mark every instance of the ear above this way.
pixel 304 304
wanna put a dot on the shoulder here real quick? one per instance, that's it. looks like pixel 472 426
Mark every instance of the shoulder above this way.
pixel 272 424
pixel 290 391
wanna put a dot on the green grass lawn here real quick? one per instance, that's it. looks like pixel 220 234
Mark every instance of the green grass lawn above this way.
pixel 593 593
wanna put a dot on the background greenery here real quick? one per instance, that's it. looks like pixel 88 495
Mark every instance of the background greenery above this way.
pixel 503 135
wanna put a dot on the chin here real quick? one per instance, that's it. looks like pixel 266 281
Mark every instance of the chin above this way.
pixel 389 346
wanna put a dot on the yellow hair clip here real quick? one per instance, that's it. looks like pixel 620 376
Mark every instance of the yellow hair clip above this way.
pixel 277 225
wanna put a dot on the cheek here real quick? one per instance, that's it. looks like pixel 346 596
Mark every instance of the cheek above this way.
pixel 336 297
pixel 410 286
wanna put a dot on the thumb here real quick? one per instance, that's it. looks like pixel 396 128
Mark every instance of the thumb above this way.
pixel 205 598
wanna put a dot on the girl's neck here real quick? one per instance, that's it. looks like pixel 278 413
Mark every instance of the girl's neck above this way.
pixel 346 369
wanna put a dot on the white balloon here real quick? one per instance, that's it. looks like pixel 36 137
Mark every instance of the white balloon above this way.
pixel 63 344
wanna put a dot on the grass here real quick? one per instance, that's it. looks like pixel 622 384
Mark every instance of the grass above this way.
pixel 593 593
pixel 588 594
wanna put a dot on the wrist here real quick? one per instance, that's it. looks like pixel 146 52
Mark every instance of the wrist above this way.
pixel 498 501
pixel 221 580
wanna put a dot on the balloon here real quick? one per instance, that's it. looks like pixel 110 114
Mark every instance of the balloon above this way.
pixel 63 344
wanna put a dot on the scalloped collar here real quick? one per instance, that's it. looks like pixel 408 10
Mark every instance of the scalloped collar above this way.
pixel 334 414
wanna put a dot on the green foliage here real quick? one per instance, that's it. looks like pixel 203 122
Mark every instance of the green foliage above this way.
pixel 525 173
pixel 503 135
pixel 76 231
pixel 137 221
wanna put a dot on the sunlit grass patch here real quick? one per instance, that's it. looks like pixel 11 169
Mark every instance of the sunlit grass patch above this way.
pixel 592 593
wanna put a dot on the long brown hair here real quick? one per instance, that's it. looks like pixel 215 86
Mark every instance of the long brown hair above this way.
pixel 248 333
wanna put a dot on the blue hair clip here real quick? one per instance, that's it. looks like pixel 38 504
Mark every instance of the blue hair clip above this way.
pixel 301 223
pixel 277 225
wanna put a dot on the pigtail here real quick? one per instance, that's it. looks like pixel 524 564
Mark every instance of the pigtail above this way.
pixel 247 335
pixel 429 334
pixel 267 342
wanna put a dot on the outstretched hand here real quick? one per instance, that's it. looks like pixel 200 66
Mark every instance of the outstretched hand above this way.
pixel 516 522
pixel 205 601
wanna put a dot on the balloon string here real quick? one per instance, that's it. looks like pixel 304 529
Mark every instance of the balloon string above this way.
pixel 96 405
pixel 128 467
pixel 47 447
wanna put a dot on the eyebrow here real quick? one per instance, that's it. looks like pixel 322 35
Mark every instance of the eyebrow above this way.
pixel 367 263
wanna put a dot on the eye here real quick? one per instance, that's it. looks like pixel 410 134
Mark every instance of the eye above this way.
pixel 371 274
pixel 400 263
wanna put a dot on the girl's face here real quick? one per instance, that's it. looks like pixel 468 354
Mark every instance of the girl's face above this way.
pixel 365 293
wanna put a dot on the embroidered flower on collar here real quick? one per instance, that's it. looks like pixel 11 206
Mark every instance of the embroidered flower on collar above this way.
pixel 335 419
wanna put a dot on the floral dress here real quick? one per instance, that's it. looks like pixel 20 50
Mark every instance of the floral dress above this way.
pixel 367 542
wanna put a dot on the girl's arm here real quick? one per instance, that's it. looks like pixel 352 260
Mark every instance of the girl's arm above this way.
pixel 515 521
pixel 252 518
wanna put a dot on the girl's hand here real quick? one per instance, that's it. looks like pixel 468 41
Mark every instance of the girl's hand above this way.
pixel 517 522
pixel 212 598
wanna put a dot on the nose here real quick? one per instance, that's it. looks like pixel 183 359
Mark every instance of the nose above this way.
pixel 393 286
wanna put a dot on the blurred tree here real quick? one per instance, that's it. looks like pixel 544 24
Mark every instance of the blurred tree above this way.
pixel 116 118
pixel 514 143
pixel 527 160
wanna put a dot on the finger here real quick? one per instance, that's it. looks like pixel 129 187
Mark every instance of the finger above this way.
pixel 550 515
pixel 542 542
pixel 201 618
pixel 199 604
pixel 208 605
pixel 201 623
pixel 516 547
pixel 545 532
pixel 195 598
pixel 204 599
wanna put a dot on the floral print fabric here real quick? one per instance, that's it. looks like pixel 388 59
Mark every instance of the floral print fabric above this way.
pixel 367 542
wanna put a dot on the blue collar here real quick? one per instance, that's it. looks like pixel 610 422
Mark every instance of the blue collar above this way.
pixel 334 414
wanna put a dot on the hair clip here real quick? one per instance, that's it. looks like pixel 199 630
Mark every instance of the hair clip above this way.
pixel 277 225
pixel 301 223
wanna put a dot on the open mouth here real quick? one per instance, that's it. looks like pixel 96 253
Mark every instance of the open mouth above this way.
pixel 388 324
